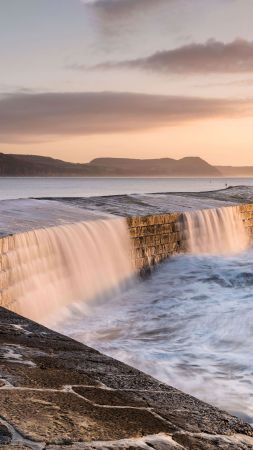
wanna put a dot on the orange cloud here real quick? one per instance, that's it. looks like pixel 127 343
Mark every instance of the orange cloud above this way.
pixel 49 115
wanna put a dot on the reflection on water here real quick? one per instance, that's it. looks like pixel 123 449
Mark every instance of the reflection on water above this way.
pixel 190 324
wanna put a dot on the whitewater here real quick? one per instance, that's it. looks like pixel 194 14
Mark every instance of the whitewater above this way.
pixel 190 324
pixel 52 267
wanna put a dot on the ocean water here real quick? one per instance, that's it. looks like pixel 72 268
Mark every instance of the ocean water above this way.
pixel 190 324
pixel 13 188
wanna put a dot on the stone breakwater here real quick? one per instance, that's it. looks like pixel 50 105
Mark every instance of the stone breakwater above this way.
pixel 246 212
pixel 56 393
pixel 157 237
pixel 154 238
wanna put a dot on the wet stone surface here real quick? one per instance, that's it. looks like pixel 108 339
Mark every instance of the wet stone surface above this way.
pixel 56 393
pixel 144 204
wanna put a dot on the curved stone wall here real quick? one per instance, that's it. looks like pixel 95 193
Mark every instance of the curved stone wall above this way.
pixel 77 398
pixel 157 237
pixel 154 238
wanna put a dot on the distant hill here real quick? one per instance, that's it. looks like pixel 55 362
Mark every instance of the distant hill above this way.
pixel 231 171
pixel 191 166
pixel 31 165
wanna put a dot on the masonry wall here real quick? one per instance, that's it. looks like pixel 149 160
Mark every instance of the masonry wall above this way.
pixel 158 237
pixel 154 238
pixel 247 216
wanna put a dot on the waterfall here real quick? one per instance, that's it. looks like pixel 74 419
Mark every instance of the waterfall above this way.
pixel 215 231
pixel 49 268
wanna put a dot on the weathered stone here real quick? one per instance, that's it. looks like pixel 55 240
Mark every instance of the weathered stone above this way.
pixel 193 415
pixel 62 416
pixel 163 444
pixel 104 446
pixel 191 442
pixel 36 377
pixel 108 397
pixel 17 447
pixel 5 435
pixel 154 238
pixel 75 395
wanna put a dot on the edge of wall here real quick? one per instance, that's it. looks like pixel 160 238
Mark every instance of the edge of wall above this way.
pixel 56 393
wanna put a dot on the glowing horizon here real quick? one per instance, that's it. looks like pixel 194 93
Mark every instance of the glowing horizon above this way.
pixel 81 80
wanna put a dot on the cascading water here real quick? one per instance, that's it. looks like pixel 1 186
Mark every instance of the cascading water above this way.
pixel 197 332
pixel 215 231
pixel 49 268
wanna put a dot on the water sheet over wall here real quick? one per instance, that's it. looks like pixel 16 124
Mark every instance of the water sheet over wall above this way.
pixel 215 231
pixel 49 268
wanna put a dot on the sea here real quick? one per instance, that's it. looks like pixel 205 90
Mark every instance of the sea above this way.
pixel 13 188
pixel 189 324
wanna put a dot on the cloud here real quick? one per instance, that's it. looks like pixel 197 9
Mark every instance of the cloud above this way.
pixel 237 83
pixel 114 8
pixel 210 57
pixel 41 116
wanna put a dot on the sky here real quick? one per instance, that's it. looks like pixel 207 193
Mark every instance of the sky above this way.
pixel 82 79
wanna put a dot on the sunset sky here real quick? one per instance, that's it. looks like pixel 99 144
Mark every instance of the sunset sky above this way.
pixel 82 79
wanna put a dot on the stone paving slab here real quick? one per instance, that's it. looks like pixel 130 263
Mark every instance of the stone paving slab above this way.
pixel 56 393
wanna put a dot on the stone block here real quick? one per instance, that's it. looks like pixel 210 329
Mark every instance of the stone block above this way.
pixel 172 217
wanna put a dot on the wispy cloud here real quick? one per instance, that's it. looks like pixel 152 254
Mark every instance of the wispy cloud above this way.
pixel 237 83
pixel 210 57
pixel 116 8
pixel 49 115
